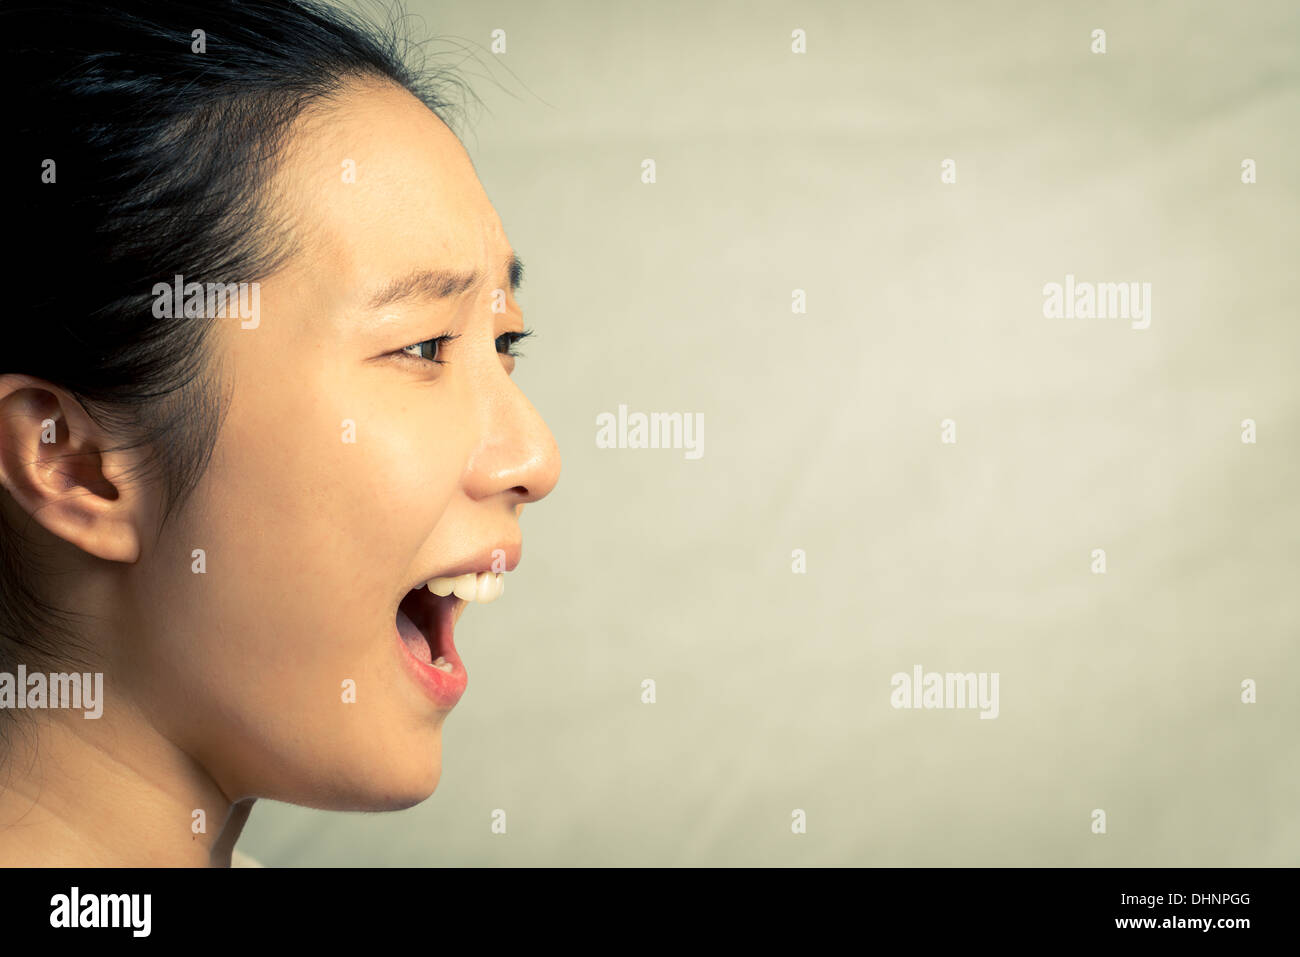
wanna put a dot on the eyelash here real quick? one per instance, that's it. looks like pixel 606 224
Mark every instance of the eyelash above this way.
pixel 512 338
pixel 439 341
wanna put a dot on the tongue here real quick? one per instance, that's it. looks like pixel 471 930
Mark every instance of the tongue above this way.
pixel 415 641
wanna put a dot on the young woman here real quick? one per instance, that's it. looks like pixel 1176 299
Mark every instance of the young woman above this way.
pixel 259 443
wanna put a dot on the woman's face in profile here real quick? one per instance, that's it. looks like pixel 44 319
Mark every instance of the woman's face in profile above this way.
pixel 348 471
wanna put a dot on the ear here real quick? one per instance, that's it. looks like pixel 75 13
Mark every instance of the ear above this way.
pixel 55 465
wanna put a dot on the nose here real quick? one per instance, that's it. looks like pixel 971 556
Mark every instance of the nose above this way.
pixel 516 455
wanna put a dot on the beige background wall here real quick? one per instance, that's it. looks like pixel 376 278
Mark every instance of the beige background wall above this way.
pixel 821 172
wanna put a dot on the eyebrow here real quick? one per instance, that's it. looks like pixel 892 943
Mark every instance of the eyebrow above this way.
pixel 435 284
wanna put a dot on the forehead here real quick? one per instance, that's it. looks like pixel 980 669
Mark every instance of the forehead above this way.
pixel 377 186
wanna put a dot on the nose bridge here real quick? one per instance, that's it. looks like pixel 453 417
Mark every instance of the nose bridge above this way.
pixel 516 451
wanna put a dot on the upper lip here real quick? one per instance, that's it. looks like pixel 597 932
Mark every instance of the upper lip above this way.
pixel 480 562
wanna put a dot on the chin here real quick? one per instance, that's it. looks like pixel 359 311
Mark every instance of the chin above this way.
pixel 377 794
pixel 411 778
pixel 408 777
pixel 392 800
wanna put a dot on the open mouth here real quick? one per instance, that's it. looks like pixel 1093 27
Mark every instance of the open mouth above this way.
pixel 425 623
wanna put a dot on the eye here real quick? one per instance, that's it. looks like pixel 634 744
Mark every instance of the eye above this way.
pixel 506 342
pixel 428 349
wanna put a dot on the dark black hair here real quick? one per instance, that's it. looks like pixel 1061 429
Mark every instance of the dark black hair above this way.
pixel 138 149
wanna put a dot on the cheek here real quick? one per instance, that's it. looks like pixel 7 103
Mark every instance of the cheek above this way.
pixel 320 503
pixel 341 482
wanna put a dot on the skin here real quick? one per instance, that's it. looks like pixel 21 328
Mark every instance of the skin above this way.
pixel 225 687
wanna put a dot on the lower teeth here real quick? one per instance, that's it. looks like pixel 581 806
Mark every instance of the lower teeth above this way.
pixel 442 664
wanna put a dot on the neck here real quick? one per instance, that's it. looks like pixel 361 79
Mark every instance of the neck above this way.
pixel 109 792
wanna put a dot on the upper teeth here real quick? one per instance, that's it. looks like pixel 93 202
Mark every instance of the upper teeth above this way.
pixel 481 587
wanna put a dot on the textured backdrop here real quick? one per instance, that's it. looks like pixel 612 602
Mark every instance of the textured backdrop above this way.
pixel 824 171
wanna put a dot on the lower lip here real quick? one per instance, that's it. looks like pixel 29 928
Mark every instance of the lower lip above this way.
pixel 443 688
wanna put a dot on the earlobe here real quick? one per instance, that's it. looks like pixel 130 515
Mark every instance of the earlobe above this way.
pixel 61 469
